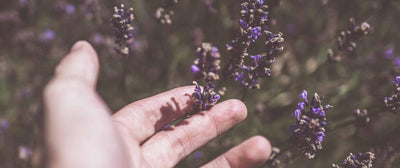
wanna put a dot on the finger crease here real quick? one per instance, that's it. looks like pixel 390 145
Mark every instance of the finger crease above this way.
pixel 213 123
pixel 123 125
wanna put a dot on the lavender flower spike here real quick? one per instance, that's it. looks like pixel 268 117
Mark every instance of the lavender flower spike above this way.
pixel 204 98
pixel 122 21
pixel 309 130
pixel 207 63
pixel 392 103
pixel 260 66
pixel 252 25
pixel 205 68
pixel 362 160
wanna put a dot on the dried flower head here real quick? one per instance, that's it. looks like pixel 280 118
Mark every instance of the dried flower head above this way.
pixel 122 20
pixel 362 160
pixel 205 98
pixel 347 39
pixel 309 130
pixel 207 63
pixel 392 103
pixel 361 117
pixel 163 16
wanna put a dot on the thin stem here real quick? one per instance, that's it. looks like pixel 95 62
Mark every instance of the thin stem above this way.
pixel 352 121
pixel 244 94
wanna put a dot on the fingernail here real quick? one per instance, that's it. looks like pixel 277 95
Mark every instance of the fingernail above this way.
pixel 77 46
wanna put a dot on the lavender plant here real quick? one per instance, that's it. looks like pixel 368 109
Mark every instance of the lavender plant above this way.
pixel 392 103
pixel 309 130
pixel 205 68
pixel 122 20
pixel 252 27
pixel 260 67
pixel 163 14
pixel 361 116
pixel 347 40
pixel 361 160
pixel 253 20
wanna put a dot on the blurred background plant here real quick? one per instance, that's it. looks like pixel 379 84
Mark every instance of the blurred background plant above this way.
pixel 34 35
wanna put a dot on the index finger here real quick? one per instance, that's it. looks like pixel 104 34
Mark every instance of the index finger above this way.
pixel 149 115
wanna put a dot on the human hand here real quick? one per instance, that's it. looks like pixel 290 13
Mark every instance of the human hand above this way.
pixel 81 132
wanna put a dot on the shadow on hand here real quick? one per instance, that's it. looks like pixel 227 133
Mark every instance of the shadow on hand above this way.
pixel 173 106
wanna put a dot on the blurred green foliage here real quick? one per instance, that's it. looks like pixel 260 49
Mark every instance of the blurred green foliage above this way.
pixel 162 54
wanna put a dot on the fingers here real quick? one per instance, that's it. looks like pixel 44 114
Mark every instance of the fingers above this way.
pixel 78 124
pixel 253 152
pixel 145 117
pixel 169 146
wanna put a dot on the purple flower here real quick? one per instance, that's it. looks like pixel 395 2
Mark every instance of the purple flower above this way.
pixel 47 36
pixel 4 125
pixel 392 103
pixel 303 95
pixel 255 33
pixel 389 53
pixel 362 160
pixel 198 156
pixel 397 80
pixel 309 130
pixel 396 62
pixel 195 69
pixel 69 9
pixel 122 20
pixel 98 38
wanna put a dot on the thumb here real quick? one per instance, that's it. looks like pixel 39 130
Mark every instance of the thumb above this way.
pixel 81 63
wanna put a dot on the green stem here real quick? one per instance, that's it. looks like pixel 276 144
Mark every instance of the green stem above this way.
pixel 352 121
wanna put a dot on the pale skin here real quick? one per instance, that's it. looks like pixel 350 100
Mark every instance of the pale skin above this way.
pixel 82 132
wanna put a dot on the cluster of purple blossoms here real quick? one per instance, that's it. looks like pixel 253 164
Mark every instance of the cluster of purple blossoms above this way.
pixel 162 14
pixel 362 160
pixel 205 68
pixel 392 103
pixel 207 63
pixel 260 66
pixel 309 130
pixel 205 98
pixel 347 39
pixel 252 27
pixel 253 20
pixel 122 21
pixel 361 117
